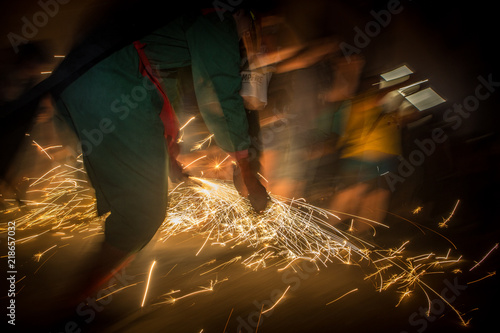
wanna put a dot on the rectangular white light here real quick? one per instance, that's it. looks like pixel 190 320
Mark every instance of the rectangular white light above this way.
pixel 425 99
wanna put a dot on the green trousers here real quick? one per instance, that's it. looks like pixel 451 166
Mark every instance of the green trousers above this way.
pixel 115 112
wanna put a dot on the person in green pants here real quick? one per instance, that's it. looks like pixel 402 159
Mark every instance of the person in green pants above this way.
pixel 120 112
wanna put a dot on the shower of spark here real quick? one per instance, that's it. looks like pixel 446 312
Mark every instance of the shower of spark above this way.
pixel 60 202
pixel 290 230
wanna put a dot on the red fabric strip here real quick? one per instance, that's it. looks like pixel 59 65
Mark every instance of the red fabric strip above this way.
pixel 167 114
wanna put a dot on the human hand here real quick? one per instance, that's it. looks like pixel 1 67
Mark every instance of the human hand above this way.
pixel 247 184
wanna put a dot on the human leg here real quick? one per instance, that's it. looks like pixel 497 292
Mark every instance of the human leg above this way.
pixel 116 116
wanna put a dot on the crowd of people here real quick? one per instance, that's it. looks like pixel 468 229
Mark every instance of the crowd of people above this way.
pixel 301 103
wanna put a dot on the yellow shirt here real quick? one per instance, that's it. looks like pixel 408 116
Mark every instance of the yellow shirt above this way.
pixel 369 134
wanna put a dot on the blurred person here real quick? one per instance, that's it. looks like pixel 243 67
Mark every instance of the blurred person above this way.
pixel 19 72
pixel 289 120
pixel 369 147
pixel 45 147
pixel 108 89
pixel 322 83
pixel 336 81
pixel 254 90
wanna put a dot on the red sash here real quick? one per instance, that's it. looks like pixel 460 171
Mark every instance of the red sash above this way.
pixel 167 114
